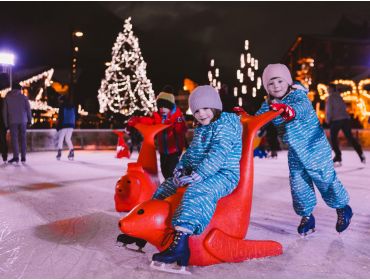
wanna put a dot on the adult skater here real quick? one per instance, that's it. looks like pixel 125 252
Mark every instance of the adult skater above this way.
pixel 338 119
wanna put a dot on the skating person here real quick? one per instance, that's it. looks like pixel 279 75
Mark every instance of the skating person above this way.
pixel 3 130
pixel 16 116
pixel 338 118
pixel 209 168
pixel 65 126
pixel 309 152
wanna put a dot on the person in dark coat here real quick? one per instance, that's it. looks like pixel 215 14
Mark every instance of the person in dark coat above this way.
pixel 3 129
pixel 338 119
pixel 16 116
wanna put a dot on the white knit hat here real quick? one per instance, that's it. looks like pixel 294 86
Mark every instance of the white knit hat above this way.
pixel 204 97
pixel 274 71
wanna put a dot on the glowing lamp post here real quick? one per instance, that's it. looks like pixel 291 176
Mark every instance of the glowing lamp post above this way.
pixel 75 50
pixel 6 62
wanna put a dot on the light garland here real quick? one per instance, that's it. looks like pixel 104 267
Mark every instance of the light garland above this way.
pixel 304 75
pixel 3 92
pixel 358 96
pixel 122 92
pixel 247 75
pixel 214 76
pixel 44 75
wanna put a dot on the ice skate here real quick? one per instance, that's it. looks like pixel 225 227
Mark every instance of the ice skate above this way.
pixel 178 253
pixel 14 161
pixel 126 240
pixel 307 224
pixel 273 155
pixel 337 160
pixel 71 154
pixel 363 158
pixel 344 218
pixel 59 154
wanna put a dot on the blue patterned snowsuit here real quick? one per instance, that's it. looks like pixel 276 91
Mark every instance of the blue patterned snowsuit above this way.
pixel 214 154
pixel 309 156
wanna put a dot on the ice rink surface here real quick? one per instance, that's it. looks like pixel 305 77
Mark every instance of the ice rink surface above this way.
pixel 57 220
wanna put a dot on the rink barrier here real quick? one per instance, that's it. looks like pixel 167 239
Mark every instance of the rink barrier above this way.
pixel 105 139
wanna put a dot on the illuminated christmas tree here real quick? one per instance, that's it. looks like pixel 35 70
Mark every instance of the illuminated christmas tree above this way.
pixel 126 88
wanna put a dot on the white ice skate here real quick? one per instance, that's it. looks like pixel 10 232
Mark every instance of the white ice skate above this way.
pixel 171 268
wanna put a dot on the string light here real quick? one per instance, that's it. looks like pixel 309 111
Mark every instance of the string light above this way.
pixel 122 92
pixel 357 96
pixel 214 76
pixel 47 75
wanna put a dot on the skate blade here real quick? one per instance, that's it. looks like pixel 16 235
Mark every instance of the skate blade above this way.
pixel 134 249
pixel 311 231
pixel 166 268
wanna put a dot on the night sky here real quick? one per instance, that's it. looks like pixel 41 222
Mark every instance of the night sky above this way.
pixel 177 39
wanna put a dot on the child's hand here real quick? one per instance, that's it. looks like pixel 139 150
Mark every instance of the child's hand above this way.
pixel 288 114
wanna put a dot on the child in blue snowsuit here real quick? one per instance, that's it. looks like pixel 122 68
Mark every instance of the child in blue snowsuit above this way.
pixel 309 152
pixel 209 168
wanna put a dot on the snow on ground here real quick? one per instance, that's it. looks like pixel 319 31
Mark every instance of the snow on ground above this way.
pixel 57 220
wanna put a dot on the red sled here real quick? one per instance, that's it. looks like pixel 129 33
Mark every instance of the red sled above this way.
pixel 141 180
pixel 223 239
pixel 122 149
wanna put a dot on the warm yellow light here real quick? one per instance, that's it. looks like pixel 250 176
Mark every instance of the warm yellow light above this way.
pixel 78 33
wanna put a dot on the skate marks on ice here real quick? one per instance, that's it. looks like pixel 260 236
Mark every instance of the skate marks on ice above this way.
pixel 9 249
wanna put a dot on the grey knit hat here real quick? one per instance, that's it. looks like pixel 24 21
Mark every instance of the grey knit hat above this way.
pixel 204 97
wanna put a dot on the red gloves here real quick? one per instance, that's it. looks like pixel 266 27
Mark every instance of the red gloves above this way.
pixel 288 114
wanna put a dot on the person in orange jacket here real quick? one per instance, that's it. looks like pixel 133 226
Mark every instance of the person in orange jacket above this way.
pixel 171 141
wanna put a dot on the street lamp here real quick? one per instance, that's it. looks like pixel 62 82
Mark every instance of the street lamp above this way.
pixel 75 49
pixel 6 62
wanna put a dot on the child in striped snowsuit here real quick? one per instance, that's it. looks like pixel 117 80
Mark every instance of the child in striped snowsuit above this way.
pixel 309 152
pixel 209 168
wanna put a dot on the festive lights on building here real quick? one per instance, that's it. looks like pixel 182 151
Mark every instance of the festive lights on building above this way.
pixel 214 75
pixel 304 74
pixel 126 88
pixel 356 95
pixel 47 75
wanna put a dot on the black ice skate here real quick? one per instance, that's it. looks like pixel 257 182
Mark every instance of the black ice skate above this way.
pixel 363 158
pixel 71 154
pixel 178 252
pixel 307 224
pixel 126 240
pixel 344 218
pixel 14 160
pixel 59 154
pixel 337 160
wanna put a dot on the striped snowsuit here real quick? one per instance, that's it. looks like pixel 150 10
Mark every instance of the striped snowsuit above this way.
pixel 214 154
pixel 309 156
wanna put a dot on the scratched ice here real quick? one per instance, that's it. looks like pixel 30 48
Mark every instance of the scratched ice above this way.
pixel 57 220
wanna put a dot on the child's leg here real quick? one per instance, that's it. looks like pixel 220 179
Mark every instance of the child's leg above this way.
pixel 199 203
pixel 303 193
pixel 331 189
pixel 166 189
